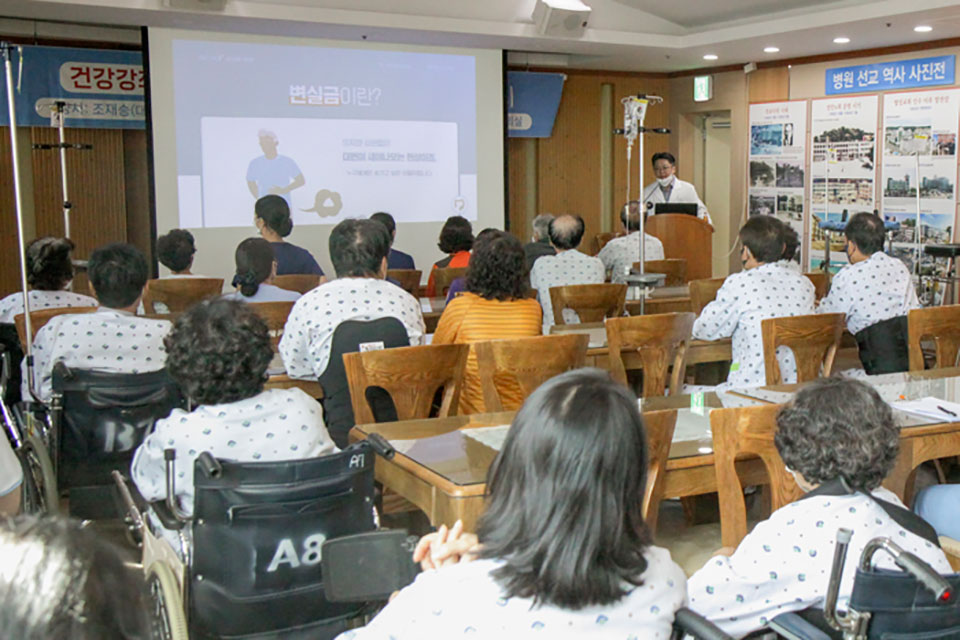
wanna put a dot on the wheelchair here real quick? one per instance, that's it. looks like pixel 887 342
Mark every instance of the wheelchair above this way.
pixel 247 563
pixel 914 604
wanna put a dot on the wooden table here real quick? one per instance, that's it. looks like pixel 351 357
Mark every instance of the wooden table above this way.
pixel 280 380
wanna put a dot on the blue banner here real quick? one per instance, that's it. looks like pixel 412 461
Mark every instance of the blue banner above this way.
pixel 883 76
pixel 532 103
pixel 102 89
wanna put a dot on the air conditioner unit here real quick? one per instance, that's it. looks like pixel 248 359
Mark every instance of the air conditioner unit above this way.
pixel 196 5
pixel 561 18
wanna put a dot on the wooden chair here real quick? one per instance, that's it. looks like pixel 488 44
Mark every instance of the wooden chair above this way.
pixel 443 278
pixel 530 361
pixel 740 432
pixel 821 283
pixel 40 318
pixel 601 239
pixel 814 340
pixel 661 340
pixel 408 279
pixel 179 294
pixel 941 325
pixel 951 547
pixel 674 268
pixel 275 315
pixel 301 282
pixel 918 445
pixel 411 375
pixel 703 292
pixel 659 426
pixel 591 302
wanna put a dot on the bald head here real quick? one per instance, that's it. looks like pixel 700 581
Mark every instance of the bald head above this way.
pixel 566 232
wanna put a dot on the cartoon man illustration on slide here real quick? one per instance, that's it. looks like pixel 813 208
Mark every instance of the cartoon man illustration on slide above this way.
pixel 272 173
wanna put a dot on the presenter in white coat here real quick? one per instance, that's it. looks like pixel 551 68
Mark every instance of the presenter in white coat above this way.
pixel 669 188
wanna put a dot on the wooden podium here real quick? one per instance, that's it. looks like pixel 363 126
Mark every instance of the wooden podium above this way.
pixel 686 237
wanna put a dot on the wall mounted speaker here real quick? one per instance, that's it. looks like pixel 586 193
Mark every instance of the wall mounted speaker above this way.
pixel 561 18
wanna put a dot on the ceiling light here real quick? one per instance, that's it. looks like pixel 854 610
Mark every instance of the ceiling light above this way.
pixel 841 40
pixel 710 56
pixel 923 28
pixel 771 50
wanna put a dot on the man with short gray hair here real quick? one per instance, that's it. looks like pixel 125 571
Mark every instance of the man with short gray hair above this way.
pixel 540 245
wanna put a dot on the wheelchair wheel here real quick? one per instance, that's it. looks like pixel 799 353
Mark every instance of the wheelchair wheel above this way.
pixel 39 480
pixel 170 620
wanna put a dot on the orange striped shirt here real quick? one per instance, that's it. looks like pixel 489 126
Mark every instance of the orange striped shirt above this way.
pixel 470 318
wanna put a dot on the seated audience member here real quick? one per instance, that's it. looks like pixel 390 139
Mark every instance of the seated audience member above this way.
pixel 563 549
pixel 539 244
pixel 493 307
pixel 839 440
pixel 62 581
pixel 175 251
pixel 459 285
pixel 940 506
pixel 875 292
pixel 456 240
pixel 49 273
pixel 272 217
pixel 358 250
pixel 766 288
pixel 396 259
pixel 11 479
pixel 567 267
pixel 218 352
pixel 112 338
pixel 619 254
pixel 256 271
pixel 791 244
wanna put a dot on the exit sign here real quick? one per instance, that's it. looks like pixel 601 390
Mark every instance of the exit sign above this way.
pixel 702 88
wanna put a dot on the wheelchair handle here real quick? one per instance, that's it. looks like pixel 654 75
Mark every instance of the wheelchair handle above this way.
pixel 381 446
pixel 209 465
pixel 170 458
pixel 836 574
pixel 910 563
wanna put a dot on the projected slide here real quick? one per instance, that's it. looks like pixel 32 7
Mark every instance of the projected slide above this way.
pixel 338 133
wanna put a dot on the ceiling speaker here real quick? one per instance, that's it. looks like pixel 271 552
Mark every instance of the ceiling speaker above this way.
pixel 196 5
pixel 561 18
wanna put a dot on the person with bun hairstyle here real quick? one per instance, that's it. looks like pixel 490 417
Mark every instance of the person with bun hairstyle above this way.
pixel 49 273
pixel 272 217
pixel 256 270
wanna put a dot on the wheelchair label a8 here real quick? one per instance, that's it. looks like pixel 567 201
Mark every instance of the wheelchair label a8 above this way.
pixel 286 553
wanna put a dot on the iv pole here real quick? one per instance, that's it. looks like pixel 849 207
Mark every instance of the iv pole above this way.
pixel 58 115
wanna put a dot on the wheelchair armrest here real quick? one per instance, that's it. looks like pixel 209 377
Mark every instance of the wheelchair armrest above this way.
pixel 165 516
pixel 693 623
pixel 793 627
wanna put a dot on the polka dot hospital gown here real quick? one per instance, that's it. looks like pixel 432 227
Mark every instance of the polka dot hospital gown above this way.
pixel 308 334
pixel 565 268
pixel 106 340
pixel 463 600
pixel 12 305
pixel 745 299
pixel 620 253
pixel 784 564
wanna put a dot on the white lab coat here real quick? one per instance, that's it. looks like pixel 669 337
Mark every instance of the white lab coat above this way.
pixel 682 192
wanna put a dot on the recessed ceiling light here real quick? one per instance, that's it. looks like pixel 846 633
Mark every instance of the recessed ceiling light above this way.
pixel 841 40
pixel 923 28
pixel 771 49
pixel 710 56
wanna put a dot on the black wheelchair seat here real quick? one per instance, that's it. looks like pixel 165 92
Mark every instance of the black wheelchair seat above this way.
pixel 258 531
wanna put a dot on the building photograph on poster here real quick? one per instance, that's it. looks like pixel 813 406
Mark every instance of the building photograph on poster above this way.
pixel 843 134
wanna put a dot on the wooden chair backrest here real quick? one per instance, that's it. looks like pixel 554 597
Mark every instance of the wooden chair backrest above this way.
pixel 443 278
pixel 179 294
pixel 814 340
pixel 409 279
pixel 674 268
pixel 821 283
pixel 411 375
pixel 939 324
pixel 659 427
pixel 40 318
pixel 529 361
pixel 746 431
pixel 703 292
pixel 661 341
pixel 601 239
pixel 300 282
pixel 591 302
pixel 275 315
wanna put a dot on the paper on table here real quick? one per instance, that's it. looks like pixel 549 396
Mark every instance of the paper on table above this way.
pixel 493 437
pixel 930 407
pixel 425 305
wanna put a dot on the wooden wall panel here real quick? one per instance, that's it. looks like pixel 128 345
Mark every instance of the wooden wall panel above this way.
pixel 517 185
pixel 9 251
pixel 769 85
pixel 136 180
pixel 96 182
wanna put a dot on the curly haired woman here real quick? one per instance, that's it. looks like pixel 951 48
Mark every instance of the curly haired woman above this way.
pixel 494 307
pixel 218 353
